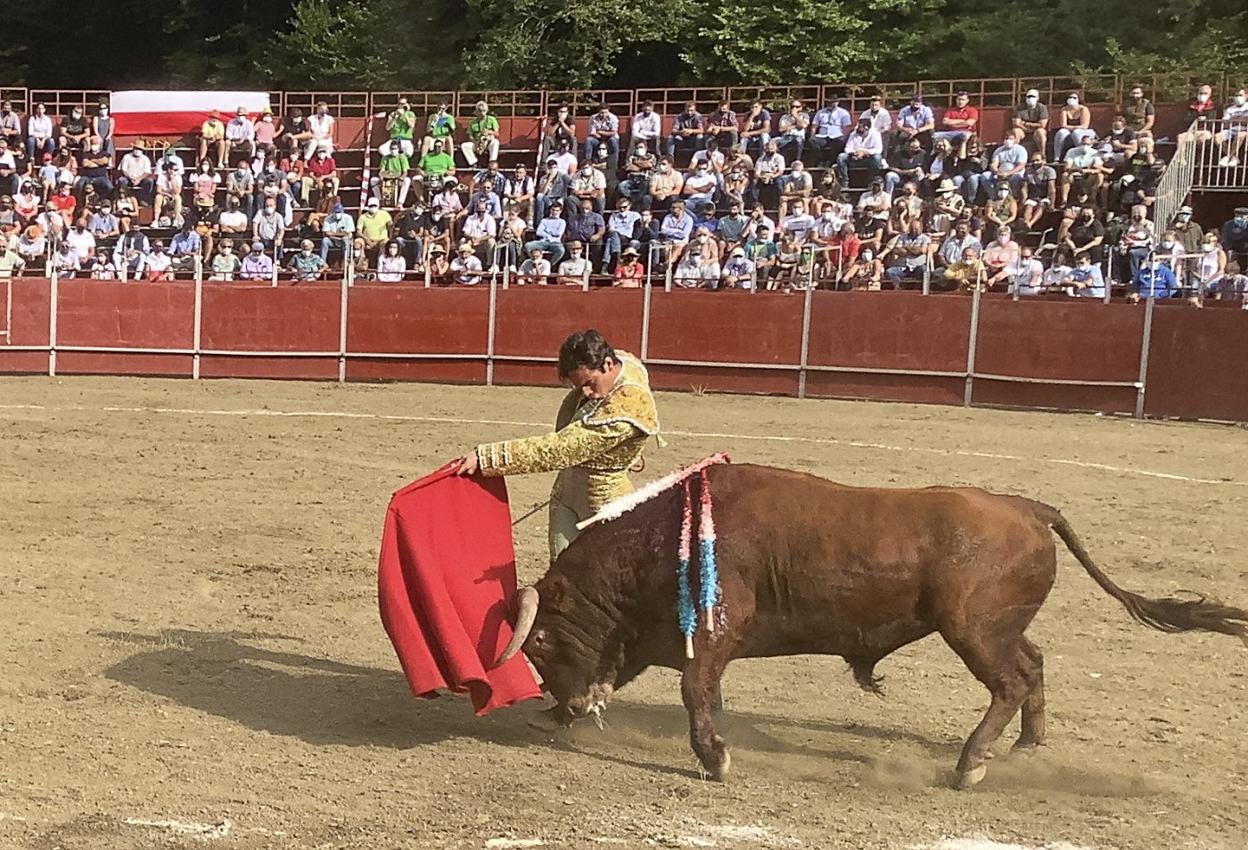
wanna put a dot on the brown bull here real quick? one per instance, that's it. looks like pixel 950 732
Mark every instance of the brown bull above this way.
pixel 812 567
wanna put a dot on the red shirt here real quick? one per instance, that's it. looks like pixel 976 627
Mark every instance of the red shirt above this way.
pixel 966 113
pixel 63 203
pixel 321 167
pixel 627 272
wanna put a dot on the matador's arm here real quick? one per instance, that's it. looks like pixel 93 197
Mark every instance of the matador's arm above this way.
pixel 570 446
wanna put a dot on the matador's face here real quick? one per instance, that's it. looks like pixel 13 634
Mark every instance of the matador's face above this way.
pixel 595 383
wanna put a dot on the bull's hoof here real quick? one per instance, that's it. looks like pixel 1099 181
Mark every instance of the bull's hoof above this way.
pixel 1026 743
pixel 719 770
pixel 966 780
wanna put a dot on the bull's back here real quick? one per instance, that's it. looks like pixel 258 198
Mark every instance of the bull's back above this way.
pixel 824 567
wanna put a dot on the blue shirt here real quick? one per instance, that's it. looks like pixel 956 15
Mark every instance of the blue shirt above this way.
pixel 831 123
pixel 184 242
pixel 915 117
pixel 1155 282
pixel 678 229
pixel 551 229
pixel 1091 275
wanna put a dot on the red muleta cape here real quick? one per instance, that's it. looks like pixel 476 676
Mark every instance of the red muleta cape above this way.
pixel 446 575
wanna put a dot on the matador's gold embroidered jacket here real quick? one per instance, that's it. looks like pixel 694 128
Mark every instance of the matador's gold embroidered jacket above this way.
pixel 600 437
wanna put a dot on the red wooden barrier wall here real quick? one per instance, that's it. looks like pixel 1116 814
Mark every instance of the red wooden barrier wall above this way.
pixel 895 346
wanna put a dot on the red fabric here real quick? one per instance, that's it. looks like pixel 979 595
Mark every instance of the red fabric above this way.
pixel 444 581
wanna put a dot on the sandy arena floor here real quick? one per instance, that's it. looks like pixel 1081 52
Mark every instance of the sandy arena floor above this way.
pixel 192 654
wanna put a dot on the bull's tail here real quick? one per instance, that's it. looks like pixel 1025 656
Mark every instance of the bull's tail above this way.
pixel 1169 614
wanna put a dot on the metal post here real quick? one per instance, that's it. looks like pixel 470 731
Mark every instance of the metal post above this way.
pixel 667 272
pixel 342 330
pixel 199 317
pixel 1146 340
pixel 970 350
pixel 53 290
pixel 348 261
pixel 806 309
pixel 1109 275
pixel 645 321
pixel 650 246
pixel 927 276
pixel 275 268
pixel 506 275
pixel 585 277
pixel 489 336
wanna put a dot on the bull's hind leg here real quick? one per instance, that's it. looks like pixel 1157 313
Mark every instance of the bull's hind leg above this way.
pixel 699 687
pixel 1033 706
pixel 993 653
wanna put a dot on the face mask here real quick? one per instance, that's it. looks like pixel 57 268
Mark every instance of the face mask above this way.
pixel 1240 100
pixel 1032 101
pixel 1211 246
pixel 1003 240
pixel 1202 97
pixel 1241 219
pixel 1072 101
pixel 868 256
pixel 827 215
pixel 1009 143
pixel 641 151
pixel 77 113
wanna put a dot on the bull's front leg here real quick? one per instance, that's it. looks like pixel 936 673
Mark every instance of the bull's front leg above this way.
pixel 699 687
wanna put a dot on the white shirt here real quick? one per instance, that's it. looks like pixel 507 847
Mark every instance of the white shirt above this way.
pixel 136 165
pixel 80 244
pixel 882 121
pixel 475 228
pixel 647 126
pixel 1027 275
pixel 237 218
pixel 391 269
pixel 567 161
pixel 322 126
pixel 240 129
pixel 871 143
pixel 39 126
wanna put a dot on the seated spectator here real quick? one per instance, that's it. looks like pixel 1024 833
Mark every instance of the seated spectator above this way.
pixel 240 135
pixel 757 129
pixel 158 265
pixel 792 128
pixel 966 273
pixel 1152 279
pixel 482 136
pixel 553 186
pixel 1234 235
pixel 11 262
pixel 466 268
pixel 480 230
pixel 212 137
pixel 907 254
pixel 1086 235
pixel 1031 117
pixel 296 132
pixel 841 252
pixel 666 185
pixel 959 122
pixel 915 121
pixel 797 184
pixel 731 228
pixel 701 188
pixel 646 128
pixel 738 185
pixel 75 129
pixel 63 201
pixel 32 246
pixel 906 206
pixel 205 181
pixel 798 223
pixel 321 126
pixel 549 232
pixel 184 247
pixel 1007 166
pixel 574 270
pixel 830 128
pixel 1039 191
pixel 688 131
pixel 638 171
pixel 338 233
pixel 865 273
pixel 676 230
pixel 135 172
pixel 737 271
pixel 1002 209
pixel 909 164
pixel 1138 111
pixel 11 127
pixel 10 184
pixel 1082 164
pixel 401 129
pixel 39 135
pixel 564 157
pixel 534 270
pixel 255 264
pixel 956 244
pixel 1023 275
pixel 97 165
pixel 269 228
pixel 694 271
pixel 1232 284
pixel 1138 239
pixel 437 163
pixel 322 169
pixel 103 224
pixel 560 129
pixel 768 172
pixel 587 226
pixel 233 220
pixel 721 126
pixel 410 232
pixel 878 117
pixel 589 184
pixel 438 269
pixel 629 273
pixel 604 130
pixel 1232 140
pixel 267 130
pixel 1210 266
pixel 1001 252
pixel 1074 125
pixel 26 202
pixel 225 263
pixel 1119 143
pixel 864 148
pixel 305 263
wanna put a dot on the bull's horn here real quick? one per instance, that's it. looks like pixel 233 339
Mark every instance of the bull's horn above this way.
pixel 526 613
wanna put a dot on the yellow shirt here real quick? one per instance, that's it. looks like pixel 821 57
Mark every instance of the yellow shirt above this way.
pixel 212 130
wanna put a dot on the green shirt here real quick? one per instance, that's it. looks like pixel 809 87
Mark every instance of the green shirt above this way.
pixel 437 164
pixel 441 125
pixel 402 125
pixel 395 165
pixel 477 127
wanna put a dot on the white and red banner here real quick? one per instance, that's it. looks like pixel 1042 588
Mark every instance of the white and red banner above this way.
pixel 162 113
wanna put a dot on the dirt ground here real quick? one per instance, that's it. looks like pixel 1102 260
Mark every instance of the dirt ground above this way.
pixel 192 654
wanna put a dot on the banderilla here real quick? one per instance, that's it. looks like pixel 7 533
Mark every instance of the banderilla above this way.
pixel 530 512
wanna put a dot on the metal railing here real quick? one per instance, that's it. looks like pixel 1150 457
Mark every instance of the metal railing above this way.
pixel 1219 152
pixel 1177 181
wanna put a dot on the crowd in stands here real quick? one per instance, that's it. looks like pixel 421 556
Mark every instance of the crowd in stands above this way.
pixel 896 196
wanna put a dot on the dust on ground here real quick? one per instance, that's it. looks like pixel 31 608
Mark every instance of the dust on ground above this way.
pixel 193 657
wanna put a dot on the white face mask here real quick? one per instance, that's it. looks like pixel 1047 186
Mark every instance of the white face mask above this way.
pixel 1201 97
pixel 1211 246
pixel 1240 100
pixel 1032 101
pixel 1072 101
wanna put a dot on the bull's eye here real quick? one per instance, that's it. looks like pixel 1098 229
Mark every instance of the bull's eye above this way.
pixel 539 637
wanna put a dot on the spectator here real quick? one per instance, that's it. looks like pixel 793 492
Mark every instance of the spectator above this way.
pixel 1119 143
pixel 233 220
pixel 1039 191
pixel 64 261
pixel 135 172
pixel 1231 141
pixel 798 223
pixel 1002 252
pixel 212 137
pixel 11 127
pixel 520 191
pixel 1082 164
pixel 701 188
pixel 959 122
pixel 410 233
pixel 864 148
pixel 1201 107
pixel 694 271
pixel 322 170
pixel 793 126
pixel 908 254
pixel 1024 275
pixel 27 201
pixel 103 224
pixel 880 119
pixel 401 128
pixel 1138 239
pixel 915 121
pixel 665 185
pixel 768 170
pixel 646 128
pixel 535 270
pixel 1138 111
pixel 338 233
pixel 225 263
pixel 466 268
pixel 757 131
pixel 10 261
pixel 1152 279
pixel 675 231
pixel 866 273
pixel 1189 233
pixel 296 132
pixel 204 182
pixel 1086 236
pixel 1232 284
pixel 1210 266
pixel 240 134
pixel 170 159
pixel 604 129
pixel 1234 236
pixel 306 264
pixel 486 194
pixel 758 220
pixel 956 243
pixel 762 253
pixel 721 126
pixel 731 230
pixel 185 246
pixel 437 163
pixel 1008 163
pixel 321 126
pixel 97 164
pixel 829 130
pixel 267 130
pixel 590 184
pixel 688 131
pixel 375 227
pixel 738 183
pixel 256 264
pixel 39 136
pixel 1032 118
pixel 560 130
pixel 482 136
pixel 621 232
pixel 737 271
pixel 480 230
pixel 629 273
pixel 798 183
pixel 1074 125
pixel 549 233
pixel 438 269
pixel 574 270
pixel 586 225
pixel 269 228
pixel 564 157
pixel 9 182
pixel 907 165
pixel 967 272
pixel 75 129
pixel 553 186
pixel 32 247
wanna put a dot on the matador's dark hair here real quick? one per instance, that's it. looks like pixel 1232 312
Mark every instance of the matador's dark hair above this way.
pixel 586 349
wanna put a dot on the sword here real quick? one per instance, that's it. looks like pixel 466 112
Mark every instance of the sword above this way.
pixel 530 512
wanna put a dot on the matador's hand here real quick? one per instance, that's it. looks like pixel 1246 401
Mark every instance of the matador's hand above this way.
pixel 468 464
